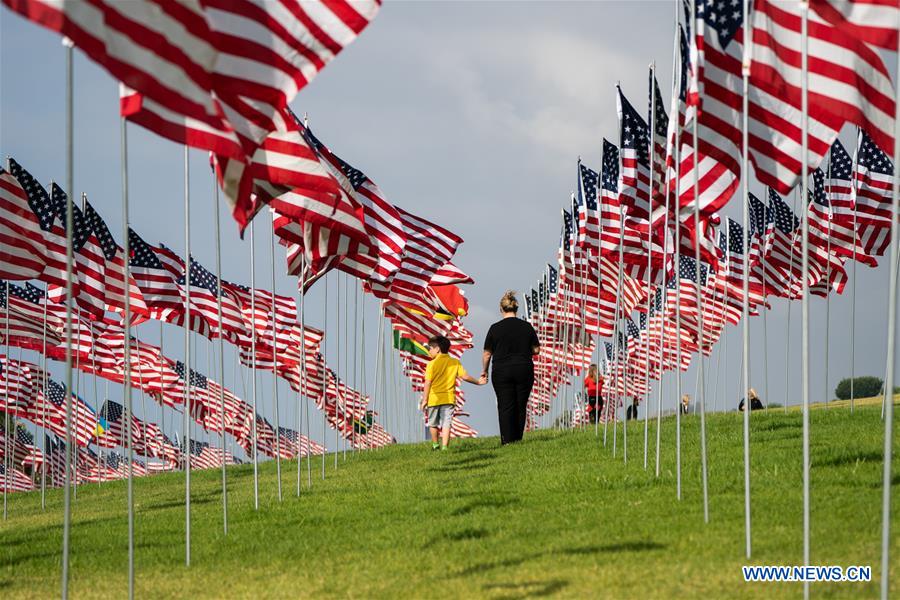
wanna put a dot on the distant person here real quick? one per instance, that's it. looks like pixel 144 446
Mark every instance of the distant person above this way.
pixel 755 402
pixel 685 404
pixel 632 411
pixel 510 346
pixel 439 395
pixel 593 390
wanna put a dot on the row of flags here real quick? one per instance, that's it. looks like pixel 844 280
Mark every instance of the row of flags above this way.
pixel 220 79
pixel 619 272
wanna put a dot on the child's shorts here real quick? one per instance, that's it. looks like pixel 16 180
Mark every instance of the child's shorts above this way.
pixel 439 416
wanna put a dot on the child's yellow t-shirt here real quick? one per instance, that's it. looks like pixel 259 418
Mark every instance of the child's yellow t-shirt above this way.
pixel 442 372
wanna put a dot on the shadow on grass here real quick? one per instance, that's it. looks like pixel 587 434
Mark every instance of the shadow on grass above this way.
pixel 851 458
pixel 474 458
pixel 483 503
pixel 468 534
pixel 472 466
pixel 527 589
pixel 627 546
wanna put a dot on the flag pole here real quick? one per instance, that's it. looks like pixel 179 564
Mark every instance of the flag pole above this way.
pixel 828 288
pixel 254 427
pixel 186 425
pixel 337 363
pixel 44 403
pixel 651 139
pixel 6 453
pixel 301 402
pixel 70 178
pixel 218 234
pixel 127 380
pixel 745 304
pixel 325 368
pixel 275 365
pixel 853 283
pixel 701 388
pixel 804 191
pixel 889 371
pixel 615 377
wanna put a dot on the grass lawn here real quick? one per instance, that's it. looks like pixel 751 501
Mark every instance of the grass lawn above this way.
pixel 557 515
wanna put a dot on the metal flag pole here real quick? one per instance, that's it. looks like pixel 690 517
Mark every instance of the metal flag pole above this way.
pixel 70 185
pixel 303 394
pixel 218 234
pixel 379 358
pixel 6 434
pixel 338 395
pixel 700 360
pixel 853 284
pixel 889 371
pixel 186 431
pixel 127 352
pixel 43 404
pixel 615 377
pixel 828 289
pixel 275 366
pixel 745 304
pixel 651 140
pixel 324 355
pixel 665 292
pixel 253 394
pixel 804 223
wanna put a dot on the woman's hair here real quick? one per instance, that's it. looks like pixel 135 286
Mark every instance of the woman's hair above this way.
pixel 592 371
pixel 508 302
pixel 752 394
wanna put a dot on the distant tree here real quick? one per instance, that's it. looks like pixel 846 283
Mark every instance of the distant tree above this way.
pixel 863 387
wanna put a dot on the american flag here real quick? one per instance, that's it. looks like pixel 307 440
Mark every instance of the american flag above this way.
pixel 775 88
pixel 84 419
pixel 660 123
pixel 634 179
pixel 872 197
pixel 89 260
pixel 215 77
pixel 54 236
pixel 382 221
pixel 22 254
pixel 872 21
pixel 114 270
pixel 157 284
pixel 14 480
pixel 24 318
pixel 205 292
pixel 828 240
pixel 588 209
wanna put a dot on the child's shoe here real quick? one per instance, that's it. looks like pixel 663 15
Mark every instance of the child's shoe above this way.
pixel 443 448
pixel 435 446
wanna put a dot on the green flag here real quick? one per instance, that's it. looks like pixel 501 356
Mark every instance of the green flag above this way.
pixel 409 345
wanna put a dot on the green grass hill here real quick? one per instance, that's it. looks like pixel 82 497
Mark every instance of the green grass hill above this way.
pixel 557 515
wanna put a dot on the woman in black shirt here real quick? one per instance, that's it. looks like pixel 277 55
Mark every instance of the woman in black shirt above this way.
pixel 510 344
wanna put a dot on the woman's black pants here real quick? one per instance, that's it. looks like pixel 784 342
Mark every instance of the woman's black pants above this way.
pixel 512 384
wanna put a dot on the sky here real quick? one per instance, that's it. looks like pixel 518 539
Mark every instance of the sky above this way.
pixel 470 114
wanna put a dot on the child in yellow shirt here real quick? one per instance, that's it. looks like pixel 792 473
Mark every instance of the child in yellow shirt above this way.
pixel 439 395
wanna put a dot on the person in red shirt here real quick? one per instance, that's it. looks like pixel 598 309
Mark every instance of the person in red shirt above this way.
pixel 593 391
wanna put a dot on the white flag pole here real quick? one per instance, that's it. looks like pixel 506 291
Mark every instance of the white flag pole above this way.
pixel 70 178
pixel 889 371
pixel 186 431
pixel 745 303
pixel 221 350
pixel 275 365
pixel 804 192
pixel 254 426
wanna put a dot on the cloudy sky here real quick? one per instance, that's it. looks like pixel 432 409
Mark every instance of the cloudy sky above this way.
pixel 471 114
